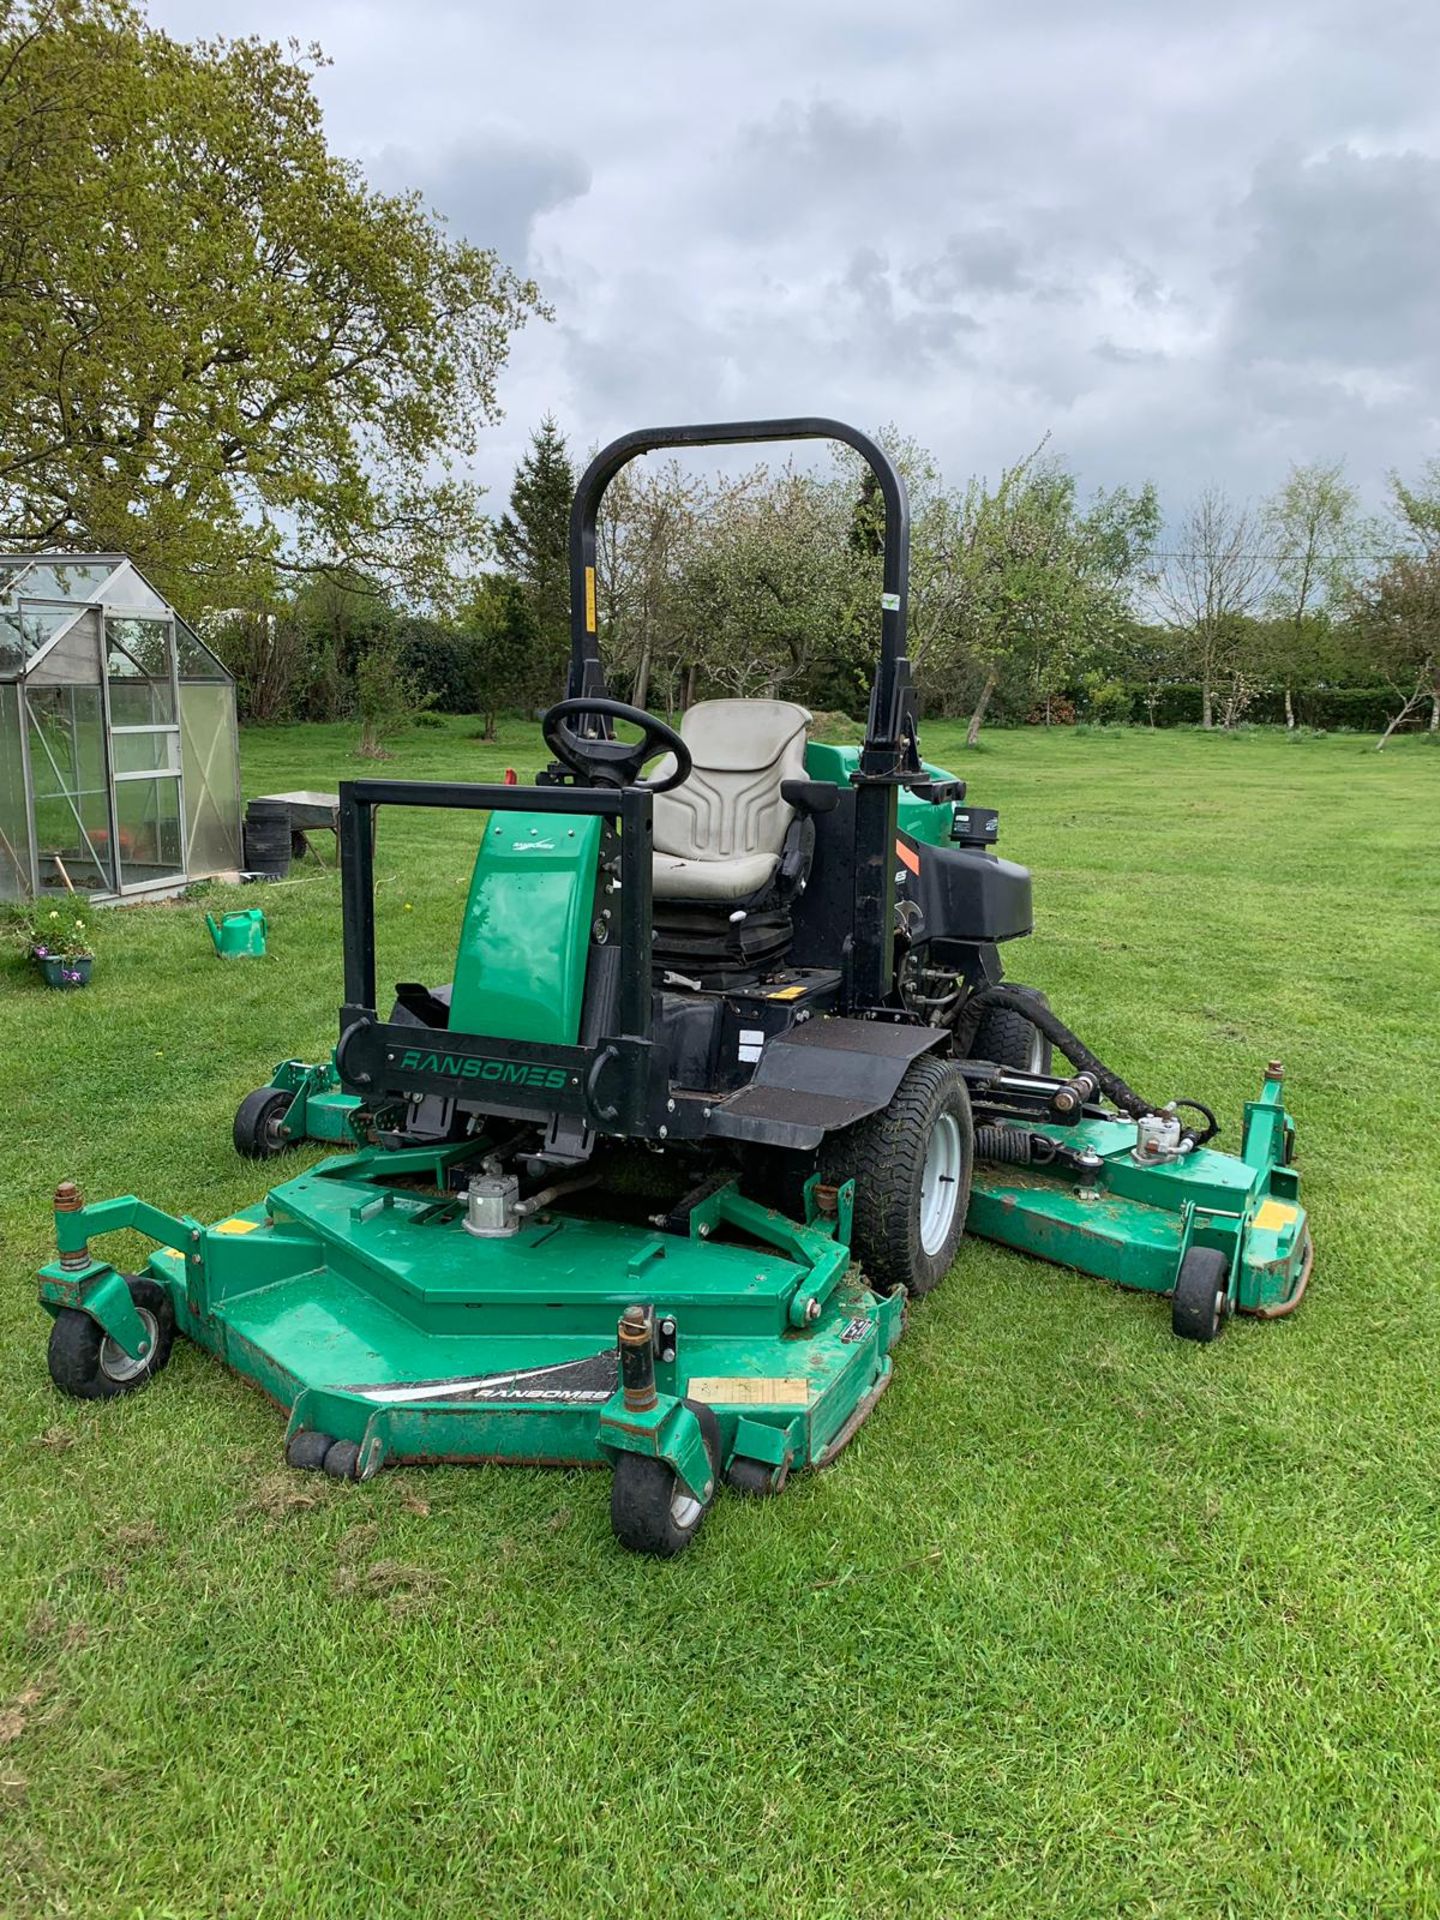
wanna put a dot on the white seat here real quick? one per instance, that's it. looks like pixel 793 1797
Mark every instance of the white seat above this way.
pixel 719 835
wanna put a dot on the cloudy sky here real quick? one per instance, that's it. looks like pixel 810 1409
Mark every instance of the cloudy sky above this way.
pixel 1190 242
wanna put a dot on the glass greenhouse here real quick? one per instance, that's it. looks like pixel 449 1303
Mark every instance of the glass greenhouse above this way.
pixel 119 765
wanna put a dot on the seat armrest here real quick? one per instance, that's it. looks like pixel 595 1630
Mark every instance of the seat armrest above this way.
pixel 810 796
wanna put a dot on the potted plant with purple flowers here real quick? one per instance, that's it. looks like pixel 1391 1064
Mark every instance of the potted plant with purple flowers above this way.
pixel 60 948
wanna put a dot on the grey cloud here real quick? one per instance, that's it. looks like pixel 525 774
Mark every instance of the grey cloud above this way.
pixel 491 186
pixel 1343 265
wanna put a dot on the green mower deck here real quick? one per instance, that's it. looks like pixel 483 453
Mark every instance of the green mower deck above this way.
pixel 368 1311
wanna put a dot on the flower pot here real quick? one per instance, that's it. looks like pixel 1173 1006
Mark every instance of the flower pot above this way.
pixel 66 973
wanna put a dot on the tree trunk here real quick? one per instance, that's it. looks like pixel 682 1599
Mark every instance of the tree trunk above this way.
pixel 1289 712
pixel 1404 714
pixel 1207 704
pixel 1435 710
pixel 977 718
pixel 689 700
pixel 640 691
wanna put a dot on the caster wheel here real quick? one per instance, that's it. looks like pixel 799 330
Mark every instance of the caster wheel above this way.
pixel 88 1365
pixel 342 1460
pixel 1200 1303
pixel 307 1449
pixel 755 1479
pixel 651 1510
pixel 258 1132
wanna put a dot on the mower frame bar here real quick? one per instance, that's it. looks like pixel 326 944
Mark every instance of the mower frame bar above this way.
pixel 891 726
pixel 624 1054
pixel 890 757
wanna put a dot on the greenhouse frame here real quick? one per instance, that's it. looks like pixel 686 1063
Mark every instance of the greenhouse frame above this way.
pixel 119 760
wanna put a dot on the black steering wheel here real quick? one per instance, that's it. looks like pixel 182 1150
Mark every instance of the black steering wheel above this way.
pixel 602 762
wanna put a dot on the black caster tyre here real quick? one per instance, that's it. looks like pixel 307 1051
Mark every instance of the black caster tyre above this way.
pixel 1200 1303
pixel 755 1480
pixel 911 1164
pixel 1010 1040
pixel 342 1460
pixel 307 1449
pixel 259 1124
pixel 88 1365
pixel 651 1511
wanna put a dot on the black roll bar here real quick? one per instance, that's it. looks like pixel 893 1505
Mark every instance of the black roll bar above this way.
pixel 890 750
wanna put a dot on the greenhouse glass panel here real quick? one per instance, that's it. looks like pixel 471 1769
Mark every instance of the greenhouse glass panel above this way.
pixel 65 579
pixel 212 778
pixel 147 750
pixel 70 786
pixel 195 659
pixel 14 825
pixel 147 824
pixel 127 592
pixel 74 658
pixel 137 664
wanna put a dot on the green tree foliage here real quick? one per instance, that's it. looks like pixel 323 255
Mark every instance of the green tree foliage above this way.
pixel 501 633
pixel 533 543
pixel 1398 610
pixel 387 696
pixel 1316 536
pixel 219 349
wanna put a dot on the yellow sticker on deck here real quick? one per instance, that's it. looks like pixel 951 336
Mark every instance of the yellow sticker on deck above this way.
pixel 1274 1214
pixel 748 1390
pixel 236 1226
pixel 787 993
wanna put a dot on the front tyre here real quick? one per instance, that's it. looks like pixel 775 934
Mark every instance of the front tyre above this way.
pixel 259 1130
pixel 1201 1300
pixel 88 1365
pixel 911 1164
pixel 651 1509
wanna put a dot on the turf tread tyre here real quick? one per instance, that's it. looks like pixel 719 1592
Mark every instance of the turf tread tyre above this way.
pixel 256 1132
pixel 81 1355
pixel 643 1491
pixel 1010 1040
pixel 885 1156
pixel 306 1449
pixel 1199 1303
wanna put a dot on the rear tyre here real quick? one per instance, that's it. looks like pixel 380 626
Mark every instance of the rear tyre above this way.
pixel 88 1365
pixel 259 1123
pixel 651 1509
pixel 1201 1300
pixel 911 1164
pixel 1011 1040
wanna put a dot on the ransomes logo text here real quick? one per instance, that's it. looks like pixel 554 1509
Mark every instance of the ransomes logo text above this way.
pixel 459 1066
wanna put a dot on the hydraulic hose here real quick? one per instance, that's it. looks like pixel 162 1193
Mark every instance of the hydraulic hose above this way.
pixel 1070 1044
pixel 1080 1057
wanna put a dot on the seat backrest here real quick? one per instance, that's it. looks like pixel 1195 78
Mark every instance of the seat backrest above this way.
pixel 731 803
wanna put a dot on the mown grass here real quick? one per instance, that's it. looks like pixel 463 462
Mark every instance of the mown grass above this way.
pixel 1087 1621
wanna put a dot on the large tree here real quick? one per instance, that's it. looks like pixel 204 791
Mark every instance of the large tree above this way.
pixel 1316 536
pixel 1212 586
pixel 533 541
pixel 219 349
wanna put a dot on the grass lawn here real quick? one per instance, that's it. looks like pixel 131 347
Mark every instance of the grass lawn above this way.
pixel 1086 1621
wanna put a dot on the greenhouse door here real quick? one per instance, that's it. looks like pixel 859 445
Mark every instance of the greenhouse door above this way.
pixel 141 698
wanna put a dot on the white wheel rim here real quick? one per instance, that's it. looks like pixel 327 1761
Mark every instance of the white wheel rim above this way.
pixel 940 1184
pixel 685 1509
pixel 116 1364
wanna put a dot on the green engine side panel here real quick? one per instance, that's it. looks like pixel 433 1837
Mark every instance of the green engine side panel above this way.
pixel 520 968
pixel 919 818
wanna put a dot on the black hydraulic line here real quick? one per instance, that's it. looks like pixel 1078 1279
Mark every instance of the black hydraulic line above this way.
pixel 1014 1147
pixel 1070 1044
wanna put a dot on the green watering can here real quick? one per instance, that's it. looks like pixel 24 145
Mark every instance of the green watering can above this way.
pixel 238 935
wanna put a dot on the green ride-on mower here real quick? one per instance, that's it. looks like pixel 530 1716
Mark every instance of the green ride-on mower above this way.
pixel 725 1069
